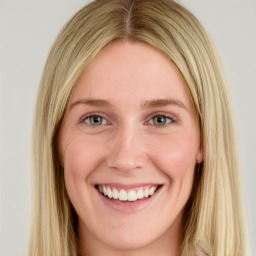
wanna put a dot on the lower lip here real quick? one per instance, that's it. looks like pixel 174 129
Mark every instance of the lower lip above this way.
pixel 129 206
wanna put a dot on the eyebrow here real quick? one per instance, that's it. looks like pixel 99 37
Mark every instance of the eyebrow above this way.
pixel 93 102
pixel 147 104
pixel 164 102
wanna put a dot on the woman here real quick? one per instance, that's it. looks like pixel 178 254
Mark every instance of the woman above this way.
pixel 133 140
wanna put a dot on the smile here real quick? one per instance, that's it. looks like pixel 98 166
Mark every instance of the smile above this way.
pixel 127 194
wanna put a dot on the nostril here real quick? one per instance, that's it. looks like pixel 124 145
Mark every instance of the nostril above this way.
pixel 125 165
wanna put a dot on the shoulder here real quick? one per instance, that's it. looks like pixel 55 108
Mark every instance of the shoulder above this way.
pixel 199 251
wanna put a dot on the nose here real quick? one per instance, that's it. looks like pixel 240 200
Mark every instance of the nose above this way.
pixel 127 151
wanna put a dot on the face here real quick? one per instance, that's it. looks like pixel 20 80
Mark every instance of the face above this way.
pixel 129 143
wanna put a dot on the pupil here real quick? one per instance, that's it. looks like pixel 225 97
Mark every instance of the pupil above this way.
pixel 96 120
pixel 160 120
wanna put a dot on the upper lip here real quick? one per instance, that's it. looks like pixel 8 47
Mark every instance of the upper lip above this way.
pixel 128 186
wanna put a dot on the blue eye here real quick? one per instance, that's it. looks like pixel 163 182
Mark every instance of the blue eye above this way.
pixel 161 120
pixel 95 120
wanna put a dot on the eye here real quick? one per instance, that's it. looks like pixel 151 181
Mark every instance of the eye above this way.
pixel 95 120
pixel 161 120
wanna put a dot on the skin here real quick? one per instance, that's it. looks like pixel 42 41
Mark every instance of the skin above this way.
pixel 130 148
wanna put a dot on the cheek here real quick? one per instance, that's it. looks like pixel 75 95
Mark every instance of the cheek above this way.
pixel 176 155
pixel 79 159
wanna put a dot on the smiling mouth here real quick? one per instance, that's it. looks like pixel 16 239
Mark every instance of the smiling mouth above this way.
pixel 127 195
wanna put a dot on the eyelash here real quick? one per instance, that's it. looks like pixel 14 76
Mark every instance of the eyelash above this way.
pixel 83 119
pixel 172 119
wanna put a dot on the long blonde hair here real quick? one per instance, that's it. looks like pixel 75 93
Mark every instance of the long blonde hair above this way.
pixel 214 213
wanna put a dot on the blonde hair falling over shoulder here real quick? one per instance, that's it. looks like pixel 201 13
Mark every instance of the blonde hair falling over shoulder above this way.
pixel 214 218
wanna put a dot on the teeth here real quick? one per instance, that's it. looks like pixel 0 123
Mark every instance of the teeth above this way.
pixel 115 194
pixel 146 193
pixel 152 191
pixel 109 192
pixel 123 195
pixel 104 191
pixel 132 196
pixel 140 194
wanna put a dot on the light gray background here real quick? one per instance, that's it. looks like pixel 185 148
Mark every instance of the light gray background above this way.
pixel 27 30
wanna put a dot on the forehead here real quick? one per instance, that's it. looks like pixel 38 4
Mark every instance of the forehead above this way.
pixel 131 70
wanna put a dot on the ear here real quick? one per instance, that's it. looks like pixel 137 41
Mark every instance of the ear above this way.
pixel 58 152
pixel 59 159
pixel 200 155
